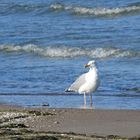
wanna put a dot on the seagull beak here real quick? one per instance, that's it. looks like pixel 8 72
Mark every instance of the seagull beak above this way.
pixel 87 65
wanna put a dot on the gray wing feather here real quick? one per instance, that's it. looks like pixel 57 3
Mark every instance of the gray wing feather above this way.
pixel 78 83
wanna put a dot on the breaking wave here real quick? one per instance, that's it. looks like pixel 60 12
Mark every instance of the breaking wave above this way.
pixel 69 52
pixel 97 11
pixel 43 8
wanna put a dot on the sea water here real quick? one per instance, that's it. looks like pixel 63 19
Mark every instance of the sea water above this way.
pixel 45 44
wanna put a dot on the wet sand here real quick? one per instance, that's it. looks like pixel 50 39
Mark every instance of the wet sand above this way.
pixel 69 123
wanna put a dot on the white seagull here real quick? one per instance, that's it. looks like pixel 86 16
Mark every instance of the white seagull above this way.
pixel 87 83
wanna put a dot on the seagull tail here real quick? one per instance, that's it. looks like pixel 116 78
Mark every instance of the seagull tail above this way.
pixel 69 90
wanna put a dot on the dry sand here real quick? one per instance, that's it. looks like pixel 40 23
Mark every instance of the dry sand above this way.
pixel 84 123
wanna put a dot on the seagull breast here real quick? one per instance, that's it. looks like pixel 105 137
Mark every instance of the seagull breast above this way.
pixel 91 83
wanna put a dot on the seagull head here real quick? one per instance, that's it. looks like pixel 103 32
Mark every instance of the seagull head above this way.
pixel 90 64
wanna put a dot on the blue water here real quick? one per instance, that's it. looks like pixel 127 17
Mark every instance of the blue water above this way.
pixel 45 44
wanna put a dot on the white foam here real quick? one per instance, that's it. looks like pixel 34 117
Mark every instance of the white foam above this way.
pixel 70 52
pixel 96 11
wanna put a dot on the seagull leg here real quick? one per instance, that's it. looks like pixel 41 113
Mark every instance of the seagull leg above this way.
pixel 91 102
pixel 84 99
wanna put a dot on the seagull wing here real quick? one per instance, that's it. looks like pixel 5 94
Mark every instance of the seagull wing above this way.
pixel 77 84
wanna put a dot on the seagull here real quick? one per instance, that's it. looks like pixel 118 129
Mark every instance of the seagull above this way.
pixel 87 83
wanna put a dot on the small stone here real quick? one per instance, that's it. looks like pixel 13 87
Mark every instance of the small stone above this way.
pixel 62 134
pixel 56 122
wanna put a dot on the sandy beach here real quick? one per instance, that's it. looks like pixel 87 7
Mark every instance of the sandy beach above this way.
pixel 17 122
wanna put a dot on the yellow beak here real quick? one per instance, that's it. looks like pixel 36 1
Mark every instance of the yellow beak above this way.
pixel 87 65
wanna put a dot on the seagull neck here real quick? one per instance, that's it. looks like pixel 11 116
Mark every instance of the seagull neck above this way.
pixel 93 69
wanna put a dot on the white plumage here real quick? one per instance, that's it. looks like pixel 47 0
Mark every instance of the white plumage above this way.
pixel 87 83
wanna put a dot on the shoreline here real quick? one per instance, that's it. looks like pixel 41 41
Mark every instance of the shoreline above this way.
pixel 75 123
pixel 71 101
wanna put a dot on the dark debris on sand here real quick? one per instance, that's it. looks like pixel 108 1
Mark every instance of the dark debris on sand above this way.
pixel 13 127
